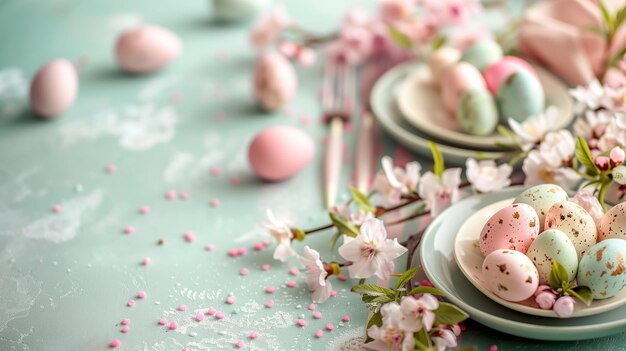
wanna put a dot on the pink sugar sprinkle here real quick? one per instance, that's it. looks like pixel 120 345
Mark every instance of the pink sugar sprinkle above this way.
pixel 144 210
pixel 317 315
pixel 170 195
pixel 259 246
pixel 183 195
pixel 301 323
pixel 173 326
pixel 186 349
pixel 199 317
pixel 333 293
pixel 209 247
pixel 215 202
pixel 233 252
pixel 426 282
pixel 211 311
pixel 125 321
pixel 269 303
pixel 162 321
pixel 235 180
pixel 345 318
pixel 190 236
pixel 240 344
pixel 254 335
pixel 342 277
pixel 129 230
pixel 115 343
pixel 244 271
pixel 145 261
pixel 182 307
pixel 319 333
pixel 493 348
pixel 242 251
pixel 56 208
pixel 329 326
pixel 216 171
pixel 230 300
pixel 292 284
pixel 265 267
pixel 111 168
pixel 125 329
pixel 312 307
pixel 266 242
pixel 294 271
pixel 219 315
pixel 131 303
pixel 270 289
pixel 141 294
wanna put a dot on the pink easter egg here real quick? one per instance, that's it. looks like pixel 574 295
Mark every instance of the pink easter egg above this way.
pixel 146 48
pixel 457 79
pixel 54 88
pixel 498 71
pixel 275 81
pixel 277 153
pixel 514 227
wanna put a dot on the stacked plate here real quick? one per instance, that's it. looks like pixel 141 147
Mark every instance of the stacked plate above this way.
pixel 409 107
pixel 452 262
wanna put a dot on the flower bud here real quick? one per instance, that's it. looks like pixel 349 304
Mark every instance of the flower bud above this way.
pixel 542 288
pixel 546 300
pixel 564 306
pixel 617 156
pixel 619 175
pixel 602 162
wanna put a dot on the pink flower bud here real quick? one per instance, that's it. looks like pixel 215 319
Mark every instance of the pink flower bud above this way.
pixel 617 156
pixel 564 306
pixel 546 300
pixel 306 57
pixel 542 288
pixel 602 162
pixel 392 10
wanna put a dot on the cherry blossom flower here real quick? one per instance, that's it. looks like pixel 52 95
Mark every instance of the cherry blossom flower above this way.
pixel 444 13
pixel 440 194
pixel 316 275
pixel 445 337
pixel 282 234
pixel 485 176
pixel 266 30
pixel 357 218
pixel 396 10
pixel 558 147
pixel 592 125
pixel 356 17
pixel 585 199
pixel 564 306
pixel 390 336
pixel 534 129
pixel 393 182
pixel 465 36
pixel 615 134
pixel 539 170
pixel 588 97
pixel 418 313
pixel 371 252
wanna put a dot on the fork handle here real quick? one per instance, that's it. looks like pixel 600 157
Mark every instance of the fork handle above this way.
pixel 332 162
pixel 365 150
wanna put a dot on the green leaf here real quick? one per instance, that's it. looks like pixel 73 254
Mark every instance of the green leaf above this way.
pixel 438 164
pixel 605 185
pixel 466 348
pixel 583 155
pixel 419 208
pixel 505 132
pixel 583 293
pixel 608 20
pixel 620 16
pixel 439 42
pixel 449 314
pixel 517 158
pixel 333 240
pixel 361 200
pixel 426 290
pixel 376 299
pixel 422 340
pixel 558 276
pixel 403 40
pixel 373 290
pixel 375 320
pixel 343 225
pixel 405 277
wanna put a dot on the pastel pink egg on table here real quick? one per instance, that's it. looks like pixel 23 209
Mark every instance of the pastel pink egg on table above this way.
pixel 277 153
pixel 275 81
pixel 498 71
pixel 146 48
pixel 513 227
pixel 54 88
pixel 457 79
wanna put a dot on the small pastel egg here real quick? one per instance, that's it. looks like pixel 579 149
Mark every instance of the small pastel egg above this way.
pixel 54 88
pixel 602 268
pixel 440 61
pixel 146 48
pixel 477 112
pixel 275 81
pixel 553 245
pixel 457 79
pixel 277 153
pixel 510 275
pixel 513 227
pixel 237 10
pixel 613 223
pixel 573 220
pixel 541 198
pixel 520 96
pixel 499 71
pixel 482 54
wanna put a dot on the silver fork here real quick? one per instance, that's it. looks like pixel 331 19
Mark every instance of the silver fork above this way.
pixel 337 103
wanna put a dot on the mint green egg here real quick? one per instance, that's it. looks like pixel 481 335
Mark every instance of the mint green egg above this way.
pixel 477 113
pixel 553 245
pixel 602 269
pixel 482 54
pixel 520 96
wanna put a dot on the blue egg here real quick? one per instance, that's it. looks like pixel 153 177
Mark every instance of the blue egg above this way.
pixel 237 10
pixel 602 268
pixel 477 113
pixel 520 96
pixel 482 54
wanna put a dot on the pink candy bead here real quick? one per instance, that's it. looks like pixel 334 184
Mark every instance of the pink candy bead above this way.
pixel 240 344
pixel 312 307
pixel 301 323
pixel 270 289
pixel 145 261
pixel 219 315
pixel 215 202
pixel 216 171
pixel 131 303
pixel 244 271
pixel 173 326
pixel 182 307
pixel 342 277
pixel 265 267
pixel 317 315
pixel 125 329
pixel 259 246
pixel 56 208
pixel 333 293
pixel 170 195
pixel 329 327
pixel 294 271
pixel 319 333
pixel 209 247
pixel 211 311
pixel 184 195
pixel 115 343
pixel 162 321
pixel 199 317
pixel 242 251
pixel 254 335
pixel 292 284
pixel 129 230
pixel 493 348
pixel 233 252
pixel 125 321
pixel 345 318
pixel 190 236
pixel 141 295
pixel 269 303
pixel 235 180
pixel 230 300
pixel 144 210
pixel 111 168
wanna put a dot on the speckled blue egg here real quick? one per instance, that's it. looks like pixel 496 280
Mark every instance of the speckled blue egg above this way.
pixel 482 54
pixel 541 198
pixel 520 96
pixel 602 268
pixel 477 113
pixel 553 245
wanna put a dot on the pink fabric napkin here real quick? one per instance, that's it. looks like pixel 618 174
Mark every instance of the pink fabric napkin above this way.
pixel 563 35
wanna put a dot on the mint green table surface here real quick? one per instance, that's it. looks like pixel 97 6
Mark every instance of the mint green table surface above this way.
pixel 65 278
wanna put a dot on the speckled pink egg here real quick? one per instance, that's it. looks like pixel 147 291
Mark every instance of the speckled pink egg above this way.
pixel 457 79
pixel 510 275
pixel 277 153
pixel 613 223
pixel 146 48
pixel 498 71
pixel 513 227
pixel 275 81
pixel 54 88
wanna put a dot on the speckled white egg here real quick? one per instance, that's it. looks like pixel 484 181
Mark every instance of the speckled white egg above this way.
pixel 54 88
pixel 573 220
pixel 541 198
pixel 440 60
pixel 553 245
pixel 513 227
pixel 602 268
pixel 613 223
pixel 510 274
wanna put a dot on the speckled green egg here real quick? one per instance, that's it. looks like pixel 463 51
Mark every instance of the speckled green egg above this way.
pixel 602 268
pixel 553 245
pixel 541 198
pixel 482 54
pixel 520 96
pixel 574 221
pixel 477 113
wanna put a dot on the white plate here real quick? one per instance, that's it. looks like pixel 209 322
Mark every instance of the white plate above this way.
pixel 470 260
pixel 421 105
